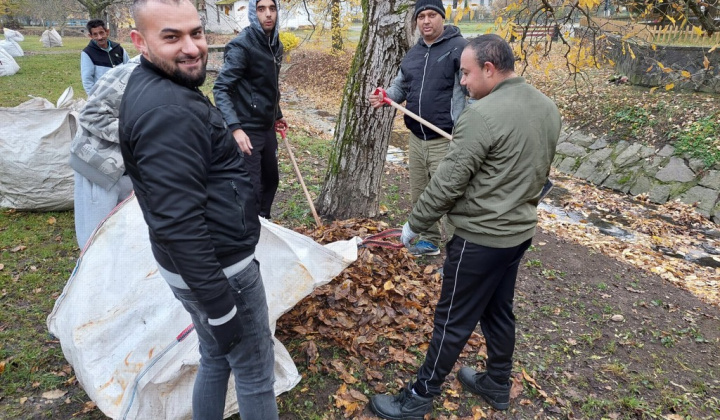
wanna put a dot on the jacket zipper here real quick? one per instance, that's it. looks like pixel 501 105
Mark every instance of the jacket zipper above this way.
pixel 422 87
pixel 277 82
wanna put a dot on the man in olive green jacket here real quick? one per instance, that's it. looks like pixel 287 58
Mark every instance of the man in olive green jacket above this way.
pixel 489 185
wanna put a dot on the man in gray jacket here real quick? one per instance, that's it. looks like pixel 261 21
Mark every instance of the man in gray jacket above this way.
pixel 489 185
pixel 247 93
pixel 95 154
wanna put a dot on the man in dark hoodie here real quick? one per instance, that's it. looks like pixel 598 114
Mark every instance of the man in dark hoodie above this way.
pixel 429 80
pixel 100 55
pixel 247 93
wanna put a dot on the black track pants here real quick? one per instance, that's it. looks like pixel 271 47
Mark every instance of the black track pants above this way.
pixel 478 286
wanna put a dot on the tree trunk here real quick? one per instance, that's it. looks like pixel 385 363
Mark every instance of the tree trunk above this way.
pixel 335 27
pixel 352 182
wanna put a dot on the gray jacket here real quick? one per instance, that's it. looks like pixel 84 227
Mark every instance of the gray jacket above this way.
pixel 95 150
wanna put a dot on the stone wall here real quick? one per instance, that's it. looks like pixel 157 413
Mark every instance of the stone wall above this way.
pixel 635 169
pixel 661 65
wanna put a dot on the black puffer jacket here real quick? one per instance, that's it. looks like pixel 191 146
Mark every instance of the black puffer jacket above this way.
pixel 246 90
pixel 430 76
pixel 189 179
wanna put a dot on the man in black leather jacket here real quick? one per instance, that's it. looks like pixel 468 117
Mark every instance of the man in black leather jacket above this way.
pixel 197 200
pixel 247 92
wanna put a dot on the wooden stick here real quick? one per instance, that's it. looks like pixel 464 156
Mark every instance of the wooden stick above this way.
pixel 412 114
pixel 300 178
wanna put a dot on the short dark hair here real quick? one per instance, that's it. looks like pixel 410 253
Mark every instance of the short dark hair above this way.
pixel 95 23
pixel 139 4
pixel 492 48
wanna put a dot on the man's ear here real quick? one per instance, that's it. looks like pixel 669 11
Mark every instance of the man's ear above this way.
pixel 489 69
pixel 138 40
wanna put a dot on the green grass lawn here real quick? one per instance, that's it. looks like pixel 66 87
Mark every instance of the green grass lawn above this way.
pixel 47 72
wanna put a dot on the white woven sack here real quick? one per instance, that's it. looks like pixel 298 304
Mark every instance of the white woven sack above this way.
pixel 12 47
pixel 34 148
pixel 13 35
pixel 51 38
pixel 126 335
pixel 8 65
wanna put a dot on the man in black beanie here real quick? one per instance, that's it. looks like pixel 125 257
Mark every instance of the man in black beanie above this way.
pixel 429 80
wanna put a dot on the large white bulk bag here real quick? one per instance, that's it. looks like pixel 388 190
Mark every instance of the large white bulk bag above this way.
pixel 13 35
pixel 12 47
pixel 126 335
pixel 8 65
pixel 51 38
pixel 34 148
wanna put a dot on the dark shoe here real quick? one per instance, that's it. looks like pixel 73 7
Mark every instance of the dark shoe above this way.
pixel 496 394
pixel 423 247
pixel 403 406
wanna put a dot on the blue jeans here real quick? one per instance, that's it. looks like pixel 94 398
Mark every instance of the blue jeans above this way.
pixel 251 361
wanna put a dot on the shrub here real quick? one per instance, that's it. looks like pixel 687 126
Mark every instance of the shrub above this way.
pixel 700 140
pixel 289 40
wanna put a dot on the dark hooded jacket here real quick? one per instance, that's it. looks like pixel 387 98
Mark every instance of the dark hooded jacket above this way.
pixel 246 90
pixel 429 79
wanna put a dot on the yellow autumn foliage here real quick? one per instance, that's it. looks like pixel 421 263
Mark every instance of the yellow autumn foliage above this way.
pixel 289 40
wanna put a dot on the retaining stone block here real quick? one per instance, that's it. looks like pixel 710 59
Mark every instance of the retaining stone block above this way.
pixel 675 171
pixel 642 185
pixel 567 165
pixel 659 193
pixel 711 179
pixel 629 155
pixel 696 165
pixel 581 139
pixel 705 197
pixel 570 149
pixel 618 182
pixel 667 151
pixel 600 173
pixel 599 144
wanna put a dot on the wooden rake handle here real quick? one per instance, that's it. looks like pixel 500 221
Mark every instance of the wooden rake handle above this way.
pixel 428 124
pixel 299 175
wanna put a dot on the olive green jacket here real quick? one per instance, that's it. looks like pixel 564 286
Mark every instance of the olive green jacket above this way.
pixel 498 161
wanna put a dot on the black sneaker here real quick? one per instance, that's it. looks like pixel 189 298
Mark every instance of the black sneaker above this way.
pixel 403 406
pixel 480 383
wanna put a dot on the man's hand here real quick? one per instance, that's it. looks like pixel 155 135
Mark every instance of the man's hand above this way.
pixel 376 100
pixel 243 141
pixel 227 334
pixel 407 235
pixel 281 124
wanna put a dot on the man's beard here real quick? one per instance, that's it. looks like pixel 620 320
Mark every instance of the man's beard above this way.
pixel 174 73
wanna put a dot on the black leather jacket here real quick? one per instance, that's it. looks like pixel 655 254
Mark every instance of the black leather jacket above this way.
pixel 246 90
pixel 189 178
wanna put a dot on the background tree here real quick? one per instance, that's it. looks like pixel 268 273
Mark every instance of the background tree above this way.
pixel 362 133
pixel 9 11
pixel 96 8
pixel 51 12
pixel 335 25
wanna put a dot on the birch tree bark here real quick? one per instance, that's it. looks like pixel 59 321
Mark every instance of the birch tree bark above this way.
pixel 352 183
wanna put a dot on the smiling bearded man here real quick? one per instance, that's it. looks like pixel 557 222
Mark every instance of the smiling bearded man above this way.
pixel 198 202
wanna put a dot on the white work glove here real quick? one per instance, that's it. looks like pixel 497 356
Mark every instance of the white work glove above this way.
pixel 407 235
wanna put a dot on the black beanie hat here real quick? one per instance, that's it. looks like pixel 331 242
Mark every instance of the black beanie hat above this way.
pixel 435 5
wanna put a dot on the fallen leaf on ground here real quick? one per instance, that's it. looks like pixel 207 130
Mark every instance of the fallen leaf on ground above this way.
pixel 54 394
